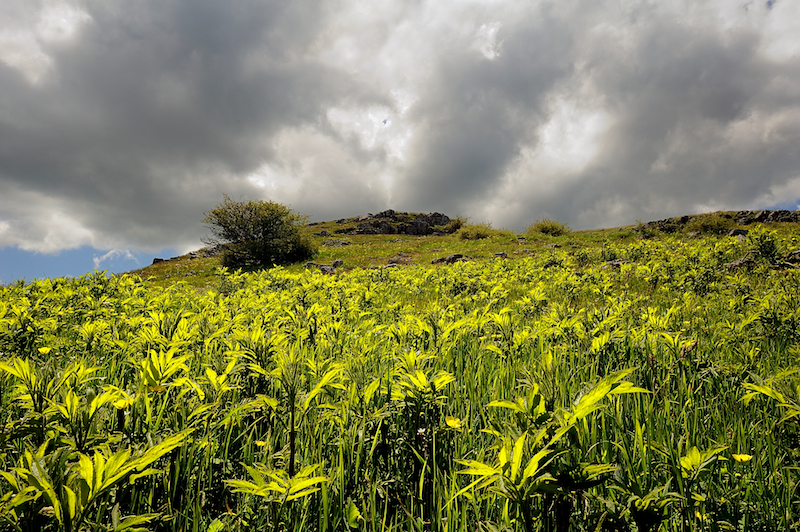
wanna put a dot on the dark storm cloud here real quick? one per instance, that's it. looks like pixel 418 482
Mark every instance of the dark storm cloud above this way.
pixel 699 120
pixel 121 123
pixel 477 112
pixel 158 107
pixel 696 124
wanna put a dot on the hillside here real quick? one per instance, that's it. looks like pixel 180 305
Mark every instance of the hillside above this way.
pixel 630 379
pixel 392 239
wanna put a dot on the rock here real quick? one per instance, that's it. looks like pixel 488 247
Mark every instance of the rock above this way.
pixel 365 228
pixel 336 243
pixel 616 264
pixel 737 232
pixel 744 262
pixel 400 258
pixel 324 268
pixel 213 251
pixel 782 216
pixel 450 259
pixel 324 233
pixel 157 260
pixel 437 218
pixel 693 234
pixel 501 255
pixel 388 213
pixel 793 257
pixel 418 227
pixel 552 246
pixel 390 222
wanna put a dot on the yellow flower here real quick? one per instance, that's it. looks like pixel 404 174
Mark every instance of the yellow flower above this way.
pixel 742 457
pixel 45 350
pixel 260 443
pixel 453 422
pixel 125 402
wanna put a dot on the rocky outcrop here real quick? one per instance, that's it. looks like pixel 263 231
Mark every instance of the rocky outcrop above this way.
pixel 615 264
pixel 450 259
pixel 391 222
pixel 400 258
pixel 751 217
pixel 336 243
pixel 667 225
pixel 672 225
pixel 744 262
pixel 325 268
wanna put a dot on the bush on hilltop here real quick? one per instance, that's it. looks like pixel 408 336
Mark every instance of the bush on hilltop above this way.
pixel 549 227
pixel 258 233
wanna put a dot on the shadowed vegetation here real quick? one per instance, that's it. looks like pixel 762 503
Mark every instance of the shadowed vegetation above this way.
pixel 593 381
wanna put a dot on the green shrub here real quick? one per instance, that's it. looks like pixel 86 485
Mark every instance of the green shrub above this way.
pixel 258 233
pixel 455 224
pixel 481 231
pixel 549 227
pixel 475 231
pixel 645 230
pixel 764 245
pixel 582 257
pixel 714 223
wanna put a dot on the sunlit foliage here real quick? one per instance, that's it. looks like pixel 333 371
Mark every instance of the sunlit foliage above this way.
pixel 550 392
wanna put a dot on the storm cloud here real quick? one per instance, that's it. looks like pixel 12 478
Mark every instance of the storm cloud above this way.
pixel 120 123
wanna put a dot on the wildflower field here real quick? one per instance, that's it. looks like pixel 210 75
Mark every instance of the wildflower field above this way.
pixel 550 392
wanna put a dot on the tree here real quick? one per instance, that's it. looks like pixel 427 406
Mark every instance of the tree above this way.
pixel 258 233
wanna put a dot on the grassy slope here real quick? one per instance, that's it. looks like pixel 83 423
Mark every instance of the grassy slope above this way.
pixel 366 251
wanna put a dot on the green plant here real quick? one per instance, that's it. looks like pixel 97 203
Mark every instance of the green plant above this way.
pixel 258 233
pixel 714 223
pixel 455 224
pixel 764 245
pixel 370 399
pixel 480 231
pixel 546 226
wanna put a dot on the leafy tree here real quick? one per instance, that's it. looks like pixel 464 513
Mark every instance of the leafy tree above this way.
pixel 258 233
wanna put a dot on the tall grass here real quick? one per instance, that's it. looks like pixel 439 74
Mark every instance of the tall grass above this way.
pixel 545 393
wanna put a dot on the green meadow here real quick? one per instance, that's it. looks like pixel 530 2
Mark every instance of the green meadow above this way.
pixel 592 381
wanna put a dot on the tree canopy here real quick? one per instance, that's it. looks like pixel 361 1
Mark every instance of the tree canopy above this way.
pixel 258 233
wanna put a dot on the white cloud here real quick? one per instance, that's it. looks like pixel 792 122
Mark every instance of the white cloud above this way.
pixel 113 254
pixel 59 21
pixel 24 43
pixel 486 40
pixel 569 139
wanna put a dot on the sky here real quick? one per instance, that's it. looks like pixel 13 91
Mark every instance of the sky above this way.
pixel 121 123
